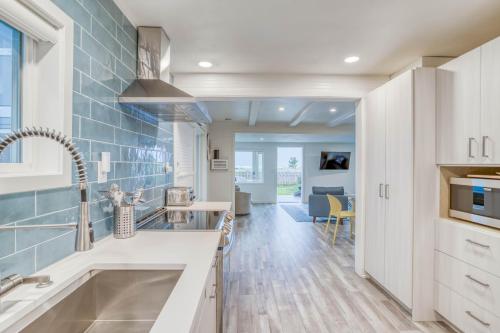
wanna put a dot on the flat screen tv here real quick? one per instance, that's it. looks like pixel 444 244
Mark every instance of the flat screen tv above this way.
pixel 334 160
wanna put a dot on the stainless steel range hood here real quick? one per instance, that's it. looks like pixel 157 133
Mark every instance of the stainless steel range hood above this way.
pixel 152 91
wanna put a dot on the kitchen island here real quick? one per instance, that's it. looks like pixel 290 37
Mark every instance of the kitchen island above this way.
pixel 191 252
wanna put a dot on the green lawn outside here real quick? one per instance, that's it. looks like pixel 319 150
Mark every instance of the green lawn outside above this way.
pixel 287 189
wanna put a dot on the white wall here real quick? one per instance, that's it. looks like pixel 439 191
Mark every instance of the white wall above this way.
pixel 265 192
pixel 221 183
pixel 312 175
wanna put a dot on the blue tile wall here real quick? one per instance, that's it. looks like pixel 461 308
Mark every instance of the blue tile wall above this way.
pixel 104 64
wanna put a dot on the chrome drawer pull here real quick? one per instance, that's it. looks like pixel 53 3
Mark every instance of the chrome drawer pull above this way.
pixel 478 244
pixel 477 281
pixel 470 314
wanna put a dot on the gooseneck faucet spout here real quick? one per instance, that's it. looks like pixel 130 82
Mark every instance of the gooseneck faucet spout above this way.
pixel 84 231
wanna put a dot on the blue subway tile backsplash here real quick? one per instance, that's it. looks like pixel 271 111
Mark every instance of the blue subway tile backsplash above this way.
pixel 76 11
pixel 17 207
pixel 56 200
pixel 56 249
pixel 104 64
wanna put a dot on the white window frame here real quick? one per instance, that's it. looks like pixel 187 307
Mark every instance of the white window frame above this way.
pixel 255 163
pixel 47 97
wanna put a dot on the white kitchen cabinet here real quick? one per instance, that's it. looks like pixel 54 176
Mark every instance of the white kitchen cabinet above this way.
pixel 490 102
pixel 375 182
pixel 206 321
pixel 458 103
pixel 400 158
pixel 399 187
pixel 467 275
pixel 465 315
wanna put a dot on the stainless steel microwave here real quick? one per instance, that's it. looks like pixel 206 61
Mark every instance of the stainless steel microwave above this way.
pixel 476 200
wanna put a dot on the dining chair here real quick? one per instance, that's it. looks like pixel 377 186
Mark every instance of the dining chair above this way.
pixel 339 214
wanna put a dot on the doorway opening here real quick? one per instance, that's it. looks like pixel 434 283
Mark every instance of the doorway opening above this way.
pixel 289 174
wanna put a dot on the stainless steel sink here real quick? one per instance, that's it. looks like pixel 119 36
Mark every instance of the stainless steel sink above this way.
pixel 110 301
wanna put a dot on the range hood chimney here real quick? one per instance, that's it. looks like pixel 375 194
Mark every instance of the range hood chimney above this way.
pixel 152 91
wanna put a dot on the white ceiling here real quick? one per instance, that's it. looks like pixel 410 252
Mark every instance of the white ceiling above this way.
pixel 283 36
pixel 317 112
pixel 295 138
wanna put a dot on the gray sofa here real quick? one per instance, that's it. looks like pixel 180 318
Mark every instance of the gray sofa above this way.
pixel 242 201
pixel 318 202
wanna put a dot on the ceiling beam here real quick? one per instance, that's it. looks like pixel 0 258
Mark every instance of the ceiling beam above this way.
pixel 301 115
pixel 342 118
pixel 253 113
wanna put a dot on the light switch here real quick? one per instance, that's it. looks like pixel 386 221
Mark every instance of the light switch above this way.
pixel 106 161
pixel 103 167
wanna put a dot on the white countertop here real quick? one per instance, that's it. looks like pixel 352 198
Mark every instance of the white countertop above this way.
pixel 191 251
pixel 212 206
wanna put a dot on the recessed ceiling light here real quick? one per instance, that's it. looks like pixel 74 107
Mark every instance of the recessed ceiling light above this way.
pixel 333 110
pixel 205 64
pixel 281 108
pixel 351 59
pixel 261 139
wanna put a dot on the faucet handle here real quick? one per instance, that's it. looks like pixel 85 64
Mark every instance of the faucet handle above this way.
pixel 14 280
pixel 41 281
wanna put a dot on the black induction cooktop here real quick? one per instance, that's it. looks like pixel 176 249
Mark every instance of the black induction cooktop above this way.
pixel 180 220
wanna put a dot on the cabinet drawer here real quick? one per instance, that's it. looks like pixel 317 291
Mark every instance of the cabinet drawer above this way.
pixel 474 245
pixel 465 315
pixel 474 284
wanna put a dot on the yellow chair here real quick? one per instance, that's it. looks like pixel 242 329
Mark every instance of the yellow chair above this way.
pixel 339 214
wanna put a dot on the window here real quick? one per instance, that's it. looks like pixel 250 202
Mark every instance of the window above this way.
pixel 10 88
pixel 249 166
pixel 36 76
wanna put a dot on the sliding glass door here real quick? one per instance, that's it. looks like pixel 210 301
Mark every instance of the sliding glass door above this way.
pixel 289 174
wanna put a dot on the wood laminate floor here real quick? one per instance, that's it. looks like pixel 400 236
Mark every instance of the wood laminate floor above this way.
pixel 287 277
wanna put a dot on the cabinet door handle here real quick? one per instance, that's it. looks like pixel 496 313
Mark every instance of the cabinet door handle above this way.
pixel 470 314
pixel 470 147
pixel 470 277
pixel 387 191
pixel 485 138
pixel 381 190
pixel 476 243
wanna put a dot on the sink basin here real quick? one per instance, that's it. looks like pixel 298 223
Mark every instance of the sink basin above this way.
pixel 110 301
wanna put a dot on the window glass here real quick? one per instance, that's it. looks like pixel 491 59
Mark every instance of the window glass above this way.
pixel 10 88
pixel 249 167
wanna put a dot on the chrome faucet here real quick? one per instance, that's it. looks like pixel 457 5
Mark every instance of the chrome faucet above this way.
pixel 84 230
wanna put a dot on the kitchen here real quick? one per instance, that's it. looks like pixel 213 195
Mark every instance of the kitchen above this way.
pixel 118 198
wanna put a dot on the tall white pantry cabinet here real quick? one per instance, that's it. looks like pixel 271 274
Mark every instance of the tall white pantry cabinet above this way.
pixel 401 188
